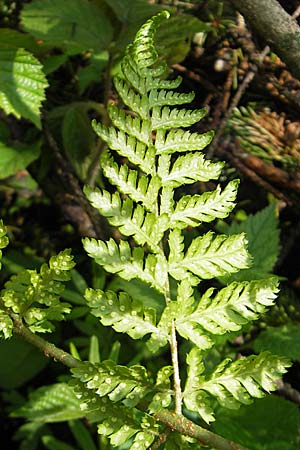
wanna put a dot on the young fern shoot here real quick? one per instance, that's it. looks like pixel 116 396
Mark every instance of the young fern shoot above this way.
pixel 160 156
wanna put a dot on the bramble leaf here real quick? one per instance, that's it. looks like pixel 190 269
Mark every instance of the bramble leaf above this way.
pixel 23 84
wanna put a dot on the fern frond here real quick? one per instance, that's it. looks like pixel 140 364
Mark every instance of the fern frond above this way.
pixel 181 141
pixel 161 97
pixel 140 188
pixel 135 102
pixel 163 384
pixel 24 291
pixel 3 239
pixel 124 314
pixel 119 423
pixel 187 169
pixel 211 256
pixel 136 151
pixel 232 383
pixel 128 264
pixel 144 227
pixel 120 383
pixel 231 308
pixel 143 49
pixel 191 210
pixel 6 325
pixel 143 84
pixel 166 118
pixel 140 129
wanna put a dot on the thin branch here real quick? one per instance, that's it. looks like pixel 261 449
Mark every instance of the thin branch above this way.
pixel 188 428
pixel 49 349
pixel 176 375
pixel 280 30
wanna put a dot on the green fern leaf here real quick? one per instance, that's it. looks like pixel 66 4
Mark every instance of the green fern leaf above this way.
pixel 231 308
pixel 191 210
pixel 3 239
pixel 118 422
pixel 144 227
pixel 135 102
pixel 187 169
pixel 119 383
pixel 114 420
pixel 162 97
pixel 163 398
pixel 6 325
pixel 36 296
pixel 143 49
pixel 128 264
pixel 128 146
pixel 166 118
pixel 140 129
pixel 140 188
pixel 124 314
pixel 23 84
pixel 209 256
pixel 148 82
pixel 232 383
pixel 181 141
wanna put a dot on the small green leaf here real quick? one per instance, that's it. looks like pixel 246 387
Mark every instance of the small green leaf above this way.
pixel 23 84
pixel 231 383
pixel 82 435
pixel 209 256
pixel 121 312
pixel 73 25
pixel 16 158
pixel 283 340
pixel 231 308
pixel 191 210
pixel 6 325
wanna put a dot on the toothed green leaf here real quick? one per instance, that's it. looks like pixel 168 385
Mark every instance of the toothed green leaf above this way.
pixel 210 256
pixel 128 263
pixel 6 325
pixel 232 383
pixel 191 210
pixel 230 309
pixel 187 169
pixel 166 118
pixel 36 296
pixel 23 84
pixel 124 314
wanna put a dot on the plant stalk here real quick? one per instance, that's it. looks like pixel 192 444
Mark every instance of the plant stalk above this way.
pixel 49 349
pixel 184 426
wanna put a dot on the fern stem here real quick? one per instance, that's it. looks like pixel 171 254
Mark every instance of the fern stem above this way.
pixel 174 357
pixel 175 364
pixel 49 349
pixel 184 426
